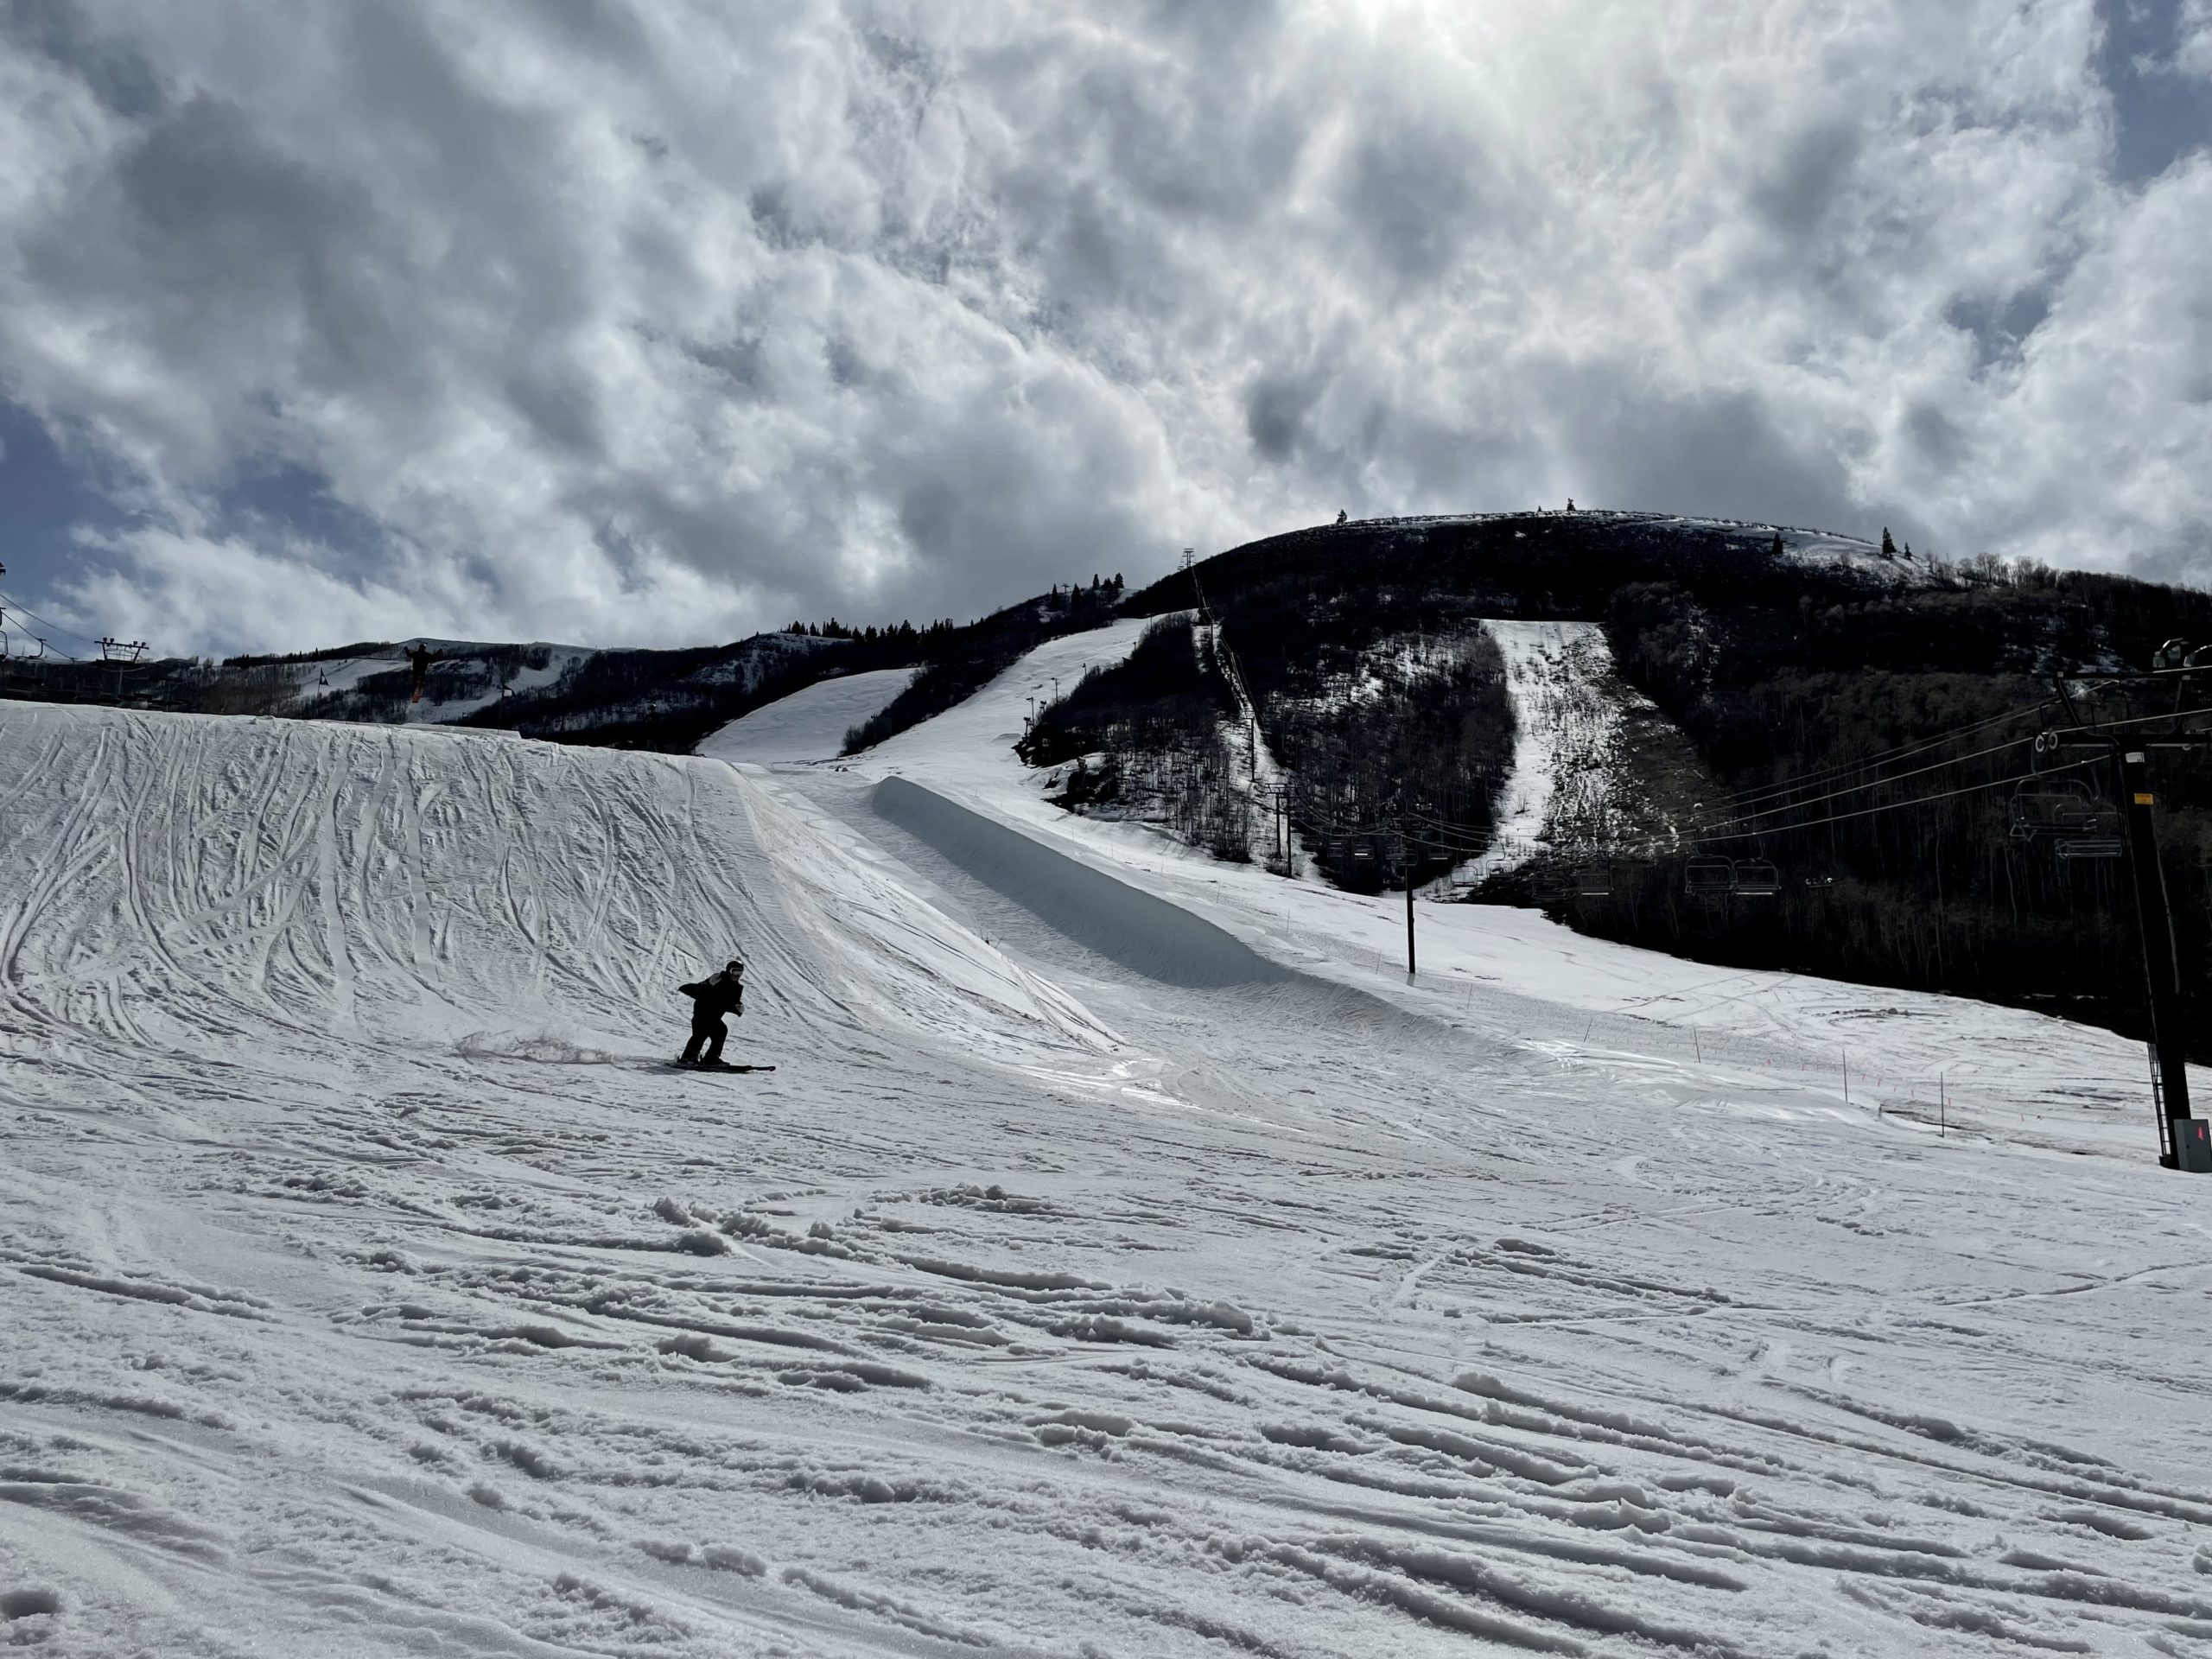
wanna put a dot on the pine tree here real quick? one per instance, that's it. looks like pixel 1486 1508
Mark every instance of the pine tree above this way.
pixel 1889 547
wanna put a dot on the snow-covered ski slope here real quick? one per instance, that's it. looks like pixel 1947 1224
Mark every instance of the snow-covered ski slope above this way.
pixel 809 724
pixel 1557 716
pixel 373 1288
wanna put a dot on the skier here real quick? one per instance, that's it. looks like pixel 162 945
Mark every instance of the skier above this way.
pixel 419 659
pixel 712 998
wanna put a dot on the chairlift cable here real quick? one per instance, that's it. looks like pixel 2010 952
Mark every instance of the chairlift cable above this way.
pixel 1894 806
pixel 1878 783
pixel 1898 777
pixel 1905 752
pixel 2095 727
pixel 51 626
pixel 1898 751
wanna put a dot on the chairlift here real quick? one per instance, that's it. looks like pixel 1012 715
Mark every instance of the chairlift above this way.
pixel 2045 806
pixel 2173 654
pixel 1591 881
pixel 1709 878
pixel 1755 878
pixel 2090 847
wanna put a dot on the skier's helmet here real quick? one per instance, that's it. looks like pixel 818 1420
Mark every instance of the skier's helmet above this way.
pixel 736 967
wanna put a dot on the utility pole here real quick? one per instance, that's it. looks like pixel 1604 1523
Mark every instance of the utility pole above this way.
pixel 2161 970
pixel 1406 865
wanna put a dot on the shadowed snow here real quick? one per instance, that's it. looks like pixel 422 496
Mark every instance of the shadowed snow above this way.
pixel 1124 924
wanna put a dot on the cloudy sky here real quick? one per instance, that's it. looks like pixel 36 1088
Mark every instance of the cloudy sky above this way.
pixel 659 322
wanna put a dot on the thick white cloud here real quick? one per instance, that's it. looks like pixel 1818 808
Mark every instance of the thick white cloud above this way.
pixel 661 322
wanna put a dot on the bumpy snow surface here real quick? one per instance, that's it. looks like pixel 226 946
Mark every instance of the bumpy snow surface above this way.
pixel 372 1287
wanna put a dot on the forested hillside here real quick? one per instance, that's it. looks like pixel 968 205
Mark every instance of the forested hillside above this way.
pixel 1783 657
pixel 664 700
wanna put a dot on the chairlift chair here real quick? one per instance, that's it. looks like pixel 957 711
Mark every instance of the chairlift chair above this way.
pixel 2047 806
pixel 1593 881
pixel 1709 878
pixel 2075 847
pixel 1757 878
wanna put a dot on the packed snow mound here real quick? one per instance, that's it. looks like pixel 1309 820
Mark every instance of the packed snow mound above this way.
pixel 407 886
pixel 809 724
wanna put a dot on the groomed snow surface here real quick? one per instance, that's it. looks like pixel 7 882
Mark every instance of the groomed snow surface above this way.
pixel 374 1288
pixel 809 724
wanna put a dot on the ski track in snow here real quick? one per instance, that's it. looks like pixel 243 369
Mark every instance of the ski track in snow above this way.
pixel 373 1286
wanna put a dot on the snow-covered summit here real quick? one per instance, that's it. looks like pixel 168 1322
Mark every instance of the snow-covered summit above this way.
pixel 1755 539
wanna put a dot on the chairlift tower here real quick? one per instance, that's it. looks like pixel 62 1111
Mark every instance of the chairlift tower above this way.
pixel 122 654
pixel 2161 973
pixel 2184 1141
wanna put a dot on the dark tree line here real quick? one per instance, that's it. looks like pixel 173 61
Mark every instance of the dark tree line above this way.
pixel 1386 708
pixel 1143 737
pixel 1938 895
pixel 1393 775
pixel 1775 668
pixel 965 660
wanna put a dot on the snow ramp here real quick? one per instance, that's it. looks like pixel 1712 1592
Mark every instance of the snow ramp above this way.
pixel 196 884
pixel 1127 926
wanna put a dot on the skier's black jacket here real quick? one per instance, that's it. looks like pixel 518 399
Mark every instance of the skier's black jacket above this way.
pixel 715 995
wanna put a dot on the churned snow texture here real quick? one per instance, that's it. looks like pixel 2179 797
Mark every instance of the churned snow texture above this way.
pixel 373 1286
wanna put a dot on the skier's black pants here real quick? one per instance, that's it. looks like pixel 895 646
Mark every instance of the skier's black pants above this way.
pixel 710 1029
